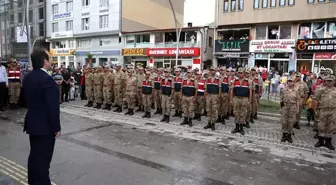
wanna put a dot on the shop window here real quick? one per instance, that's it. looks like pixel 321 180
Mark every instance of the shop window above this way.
pixel 273 32
pixel 170 37
pixel 146 38
pixel 130 39
pixel 261 32
pixel 331 29
pixel 273 3
pixel 226 5
pixel 190 37
pixel 233 5
pixel 256 4
pixel 158 38
pixel 285 31
pixel 137 38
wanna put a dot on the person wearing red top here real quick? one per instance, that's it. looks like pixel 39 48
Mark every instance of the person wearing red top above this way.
pixel 318 83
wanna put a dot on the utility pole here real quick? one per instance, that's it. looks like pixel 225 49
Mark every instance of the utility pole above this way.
pixel 177 31
pixel 28 31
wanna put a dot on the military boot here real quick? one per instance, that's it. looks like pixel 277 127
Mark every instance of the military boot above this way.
pixel 209 125
pixel 255 116
pixel 163 119
pixel 316 135
pixel 131 112
pixel 128 112
pixel 195 117
pixel 251 120
pixel 328 144
pixel 145 115
pixel 247 125
pixel 219 119
pixel 284 137
pixel 289 138
pixel 98 106
pixel 296 125
pixel 139 109
pixel 204 113
pixel 87 104
pixel 185 121
pixel 320 142
pixel 236 129
pixel 153 105
pixel 242 130
pixel 190 122
pixel 109 107
pixel 157 111
pixel 227 116
pixel 167 119
pixel 160 113
pixel 176 113
pixel 223 120
pixel 95 106
pixel 199 118
pixel 213 126
pixel 120 109
pixel 180 114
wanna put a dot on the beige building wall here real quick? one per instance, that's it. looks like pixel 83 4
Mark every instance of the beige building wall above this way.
pixel 299 12
pixel 140 15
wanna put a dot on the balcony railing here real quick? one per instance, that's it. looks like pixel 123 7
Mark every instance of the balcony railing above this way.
pixel 163 45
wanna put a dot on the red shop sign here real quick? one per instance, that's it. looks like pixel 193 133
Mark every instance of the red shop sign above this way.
pixel 183 52
pixel 325 56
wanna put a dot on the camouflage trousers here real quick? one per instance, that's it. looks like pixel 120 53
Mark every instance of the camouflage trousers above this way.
pixel 240 109
pixel 14 92
pixel 147 102
pixel 199 104
pixel 188 105
pixel 224 103
pixel 98 94
pixel 118 99
pixel 139 96
pixel 288 118
pixel 298 115
pixel 317 118
pixel 89 93
pixel 157 98
pixel 130 99
pixel 177 100
pixel 230 107
pixel 248 112
pixel 327 122
pixel 212 101
pixel 255 104
pixel 107 95
pixel 166 102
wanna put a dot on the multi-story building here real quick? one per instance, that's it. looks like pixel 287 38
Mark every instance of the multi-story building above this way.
pixel 13 34
pixel 80 27
pixel 157 48
pixel 284 34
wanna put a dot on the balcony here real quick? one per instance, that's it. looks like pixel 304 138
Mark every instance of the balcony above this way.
pixel 163 45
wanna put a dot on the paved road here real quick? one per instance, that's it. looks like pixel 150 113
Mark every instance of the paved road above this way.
pixel 102 148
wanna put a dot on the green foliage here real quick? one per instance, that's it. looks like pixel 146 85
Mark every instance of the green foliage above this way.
pixel 89 55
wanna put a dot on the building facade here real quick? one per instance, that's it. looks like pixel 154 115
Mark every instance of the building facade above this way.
pixel 81 27
pixel 275 30
pixel 157 48
pixel 12 29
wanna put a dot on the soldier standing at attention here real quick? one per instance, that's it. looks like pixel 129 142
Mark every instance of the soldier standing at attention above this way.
pixel 240 96
pixel 14 84
pixel 153 74
pixel 289 102
pixel 119 85
pixel 325 98
pixel 206 76
pixel 98 80
pixel 89 85
pixel 212 86
pixel 140 78
pixel 157 91
pixel 177 86
pixel 258 84
pixel 303 90
pixel 147 93
pixel 166 98
pixel 131 90
pixel 248 117
pixel 107 87
pixel 199 102
pixel 231 77
pixel 188 98
pixel 224 95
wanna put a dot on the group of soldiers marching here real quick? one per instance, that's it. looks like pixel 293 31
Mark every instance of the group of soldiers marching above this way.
pixel 194 95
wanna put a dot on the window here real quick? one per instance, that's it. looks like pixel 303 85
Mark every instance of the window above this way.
pixel 84 43
pixel 226 5
pixel 233 5
pixel 85 24
pixel 103 21
pixel 55 27
pixel 321 1
pixel 20 3
pixel 331 29
pixel 261 32
pixel 286 31
pixel 41 13
pixel 291 2
pixel 273 3
pixel 69 6
pixel 241 5
pixel 20 17
pixel 104 3
pixel 85 2
pixel 58 44
pixel 12 18
pixel 71 44
pixel 55 9
pixel 256 4
pixel 146 38
pixel 273 32
pixel 264 3
pixel 210 42
pixel 158 37
pixel 282 2
pixel 31 32
pixel 41 29
pixel 41 1
pixel 30 16
pixel 69 25
pixel 310 1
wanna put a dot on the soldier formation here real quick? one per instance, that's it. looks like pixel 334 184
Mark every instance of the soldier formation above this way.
pixel 197 94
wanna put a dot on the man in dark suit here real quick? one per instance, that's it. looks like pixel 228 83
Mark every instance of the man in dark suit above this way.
pixel 42 121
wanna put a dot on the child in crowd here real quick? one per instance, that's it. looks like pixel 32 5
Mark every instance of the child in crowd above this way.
pixel 266 85
pixel 310 112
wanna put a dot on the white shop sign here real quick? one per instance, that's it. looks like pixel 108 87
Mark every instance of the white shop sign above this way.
pixel 60 16
pixel 272 46
pixel 62 34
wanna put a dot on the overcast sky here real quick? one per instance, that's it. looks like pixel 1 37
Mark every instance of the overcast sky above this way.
pixel 199 12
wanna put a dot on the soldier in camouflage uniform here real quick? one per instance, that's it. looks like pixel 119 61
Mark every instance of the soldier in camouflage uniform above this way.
pixel 326 99
pixel 258 85
pixel 303 90
pixel 248 117
pixel 290 103
pixel 188 98
pixel 130 91
pixel 89 85
pixel 147 87
pixel 224 95
pixel 166 95
pixel 98 79
pixel 119 85
pixel 200 99
pixel 157 91
pixel 140 78
pixel 107 87
pixel 177 85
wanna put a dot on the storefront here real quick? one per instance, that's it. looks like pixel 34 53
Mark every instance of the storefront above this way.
pixel 232 53
pixel 63 57
pixel 99 58
pixel 278 54
pixel 322 50
pixel 166 57
pixel 135 56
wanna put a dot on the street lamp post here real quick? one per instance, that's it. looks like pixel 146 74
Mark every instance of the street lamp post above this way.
pixel 28 31
pixel 178 33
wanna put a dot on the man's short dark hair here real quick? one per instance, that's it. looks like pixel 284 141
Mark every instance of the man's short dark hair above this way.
pixel 37 57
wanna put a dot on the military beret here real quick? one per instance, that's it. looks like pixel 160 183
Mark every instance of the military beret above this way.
pixel 213 68
pixel 329 77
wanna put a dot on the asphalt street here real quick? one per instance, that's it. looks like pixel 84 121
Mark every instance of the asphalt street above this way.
pixel 102 148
